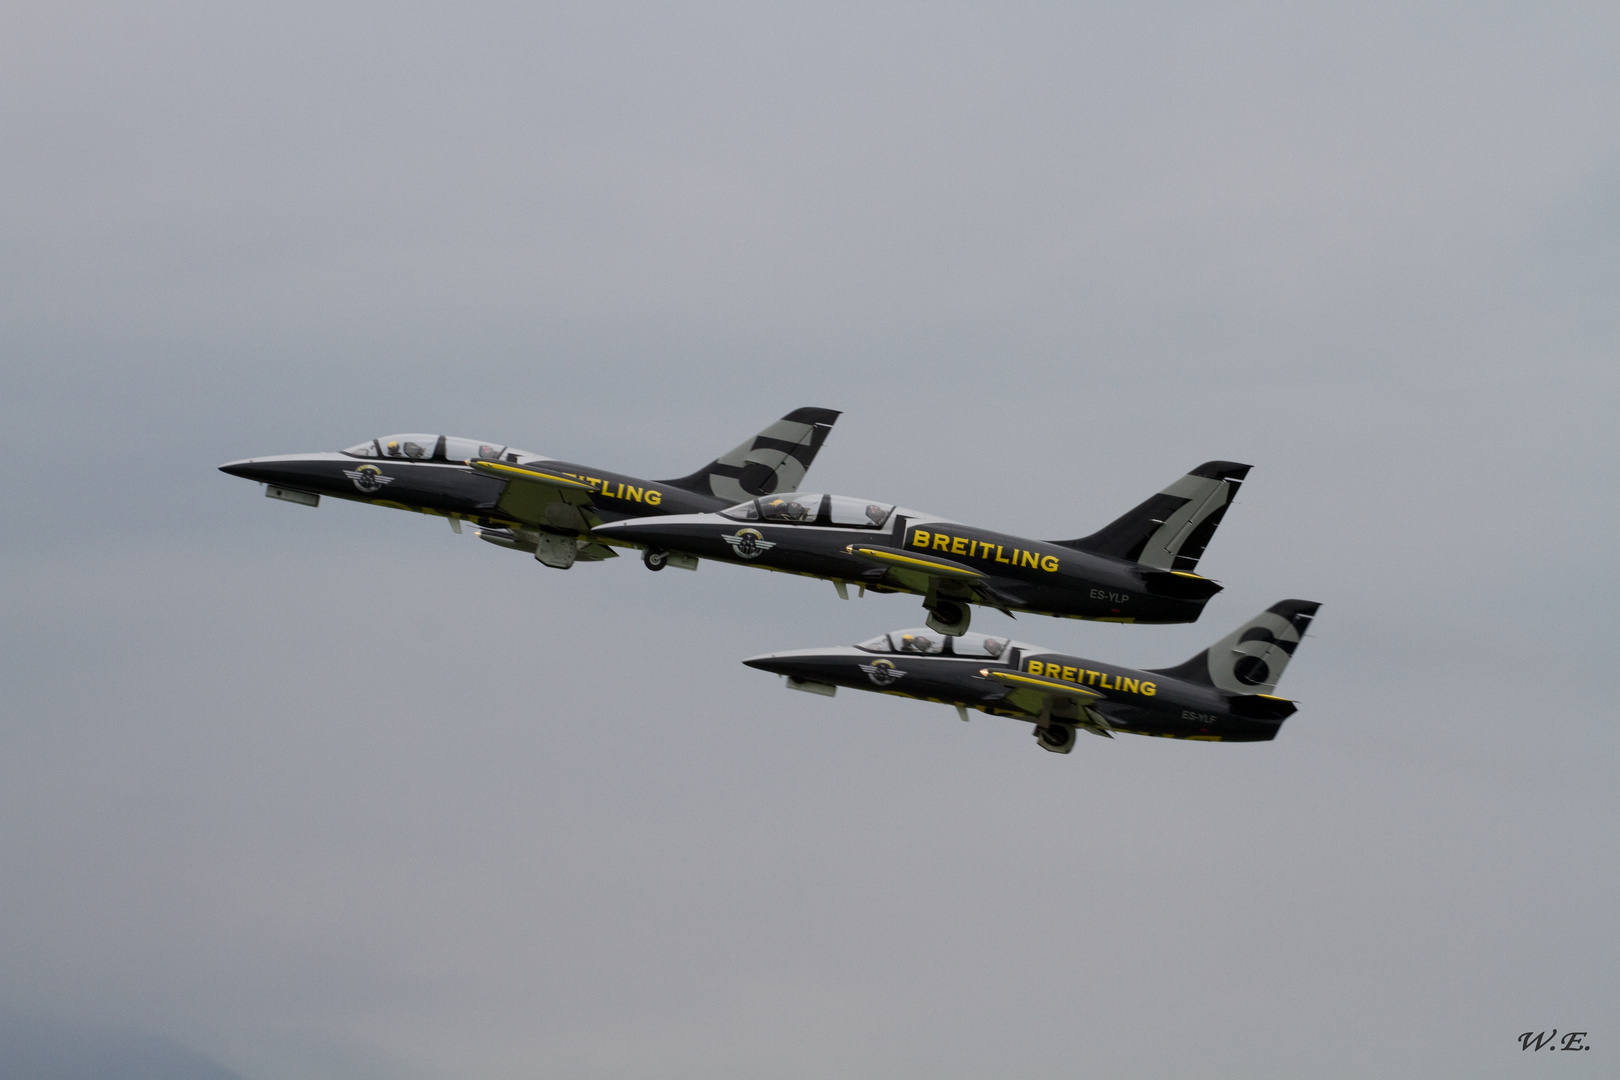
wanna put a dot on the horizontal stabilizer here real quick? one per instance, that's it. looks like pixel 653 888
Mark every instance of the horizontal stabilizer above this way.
pixel 1180 585
pixel 1261 707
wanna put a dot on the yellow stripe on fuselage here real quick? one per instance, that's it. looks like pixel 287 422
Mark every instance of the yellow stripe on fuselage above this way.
pixel 549 479
pixel 1046 685
pixel 912 562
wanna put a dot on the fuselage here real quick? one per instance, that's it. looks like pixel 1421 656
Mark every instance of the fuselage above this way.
pixel 1021 574
pixel 429 474
pixel 960 671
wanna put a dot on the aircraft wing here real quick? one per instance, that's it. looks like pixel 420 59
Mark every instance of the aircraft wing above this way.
pixel 539 496
pixel 923 566
pixel 914 571
pixel 1036 696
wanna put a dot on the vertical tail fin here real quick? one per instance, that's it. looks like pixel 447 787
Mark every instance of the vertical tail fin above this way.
pixel 774 460
pixel 1170 530
pixel 1251 658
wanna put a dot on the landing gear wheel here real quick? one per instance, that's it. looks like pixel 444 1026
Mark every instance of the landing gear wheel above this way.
pixel 950 617
pixel 655 558
pixel 1056 738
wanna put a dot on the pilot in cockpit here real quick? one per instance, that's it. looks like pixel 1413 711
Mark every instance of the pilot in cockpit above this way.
pixel 918 643
pixel 875 514
pixel 785 510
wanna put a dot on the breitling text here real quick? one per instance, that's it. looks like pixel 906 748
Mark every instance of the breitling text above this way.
pixel 620 490
pixel 1082 677
pixel 975 549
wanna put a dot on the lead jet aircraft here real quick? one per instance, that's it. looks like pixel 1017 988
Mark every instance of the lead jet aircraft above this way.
pixel 1137 569
pixel 1224 694
pixel 532 503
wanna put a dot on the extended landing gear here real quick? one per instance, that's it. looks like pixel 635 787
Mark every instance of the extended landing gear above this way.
pixel 1055 738
pixel 949 617
pixel 658 558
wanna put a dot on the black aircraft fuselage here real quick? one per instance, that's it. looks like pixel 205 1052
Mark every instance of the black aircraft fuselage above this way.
pixel 1212 697
pixel 455 489
pixel 528 501
pixel 916 549
pixel 1136 570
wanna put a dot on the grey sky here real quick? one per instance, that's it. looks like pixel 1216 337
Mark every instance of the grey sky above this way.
pixel 335 793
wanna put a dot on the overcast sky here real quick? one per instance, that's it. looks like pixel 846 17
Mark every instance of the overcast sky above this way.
pixel 331 794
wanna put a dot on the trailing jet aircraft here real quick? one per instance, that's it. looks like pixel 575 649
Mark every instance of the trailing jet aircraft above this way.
pixel 1224 694
pixel 1137 569
pixel 533 503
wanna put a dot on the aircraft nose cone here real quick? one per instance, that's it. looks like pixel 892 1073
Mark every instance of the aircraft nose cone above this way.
pixel 292 470
pixel 247 469
pixel 801 665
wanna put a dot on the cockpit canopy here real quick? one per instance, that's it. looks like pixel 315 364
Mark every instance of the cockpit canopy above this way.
pixel 810 509
pixel 928 643
pixel 436 448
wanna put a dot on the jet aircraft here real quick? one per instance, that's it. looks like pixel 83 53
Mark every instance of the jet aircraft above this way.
pixel 532 503
pixel 1224 694
pixel 1137 569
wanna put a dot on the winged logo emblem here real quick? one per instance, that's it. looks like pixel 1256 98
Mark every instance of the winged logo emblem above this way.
pixel 883 672
pixel 368 478
pixel 748 543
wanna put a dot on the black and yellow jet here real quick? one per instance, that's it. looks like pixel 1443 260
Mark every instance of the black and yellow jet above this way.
pixel 530 502
pixel 1224 694
pixel 1137 569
